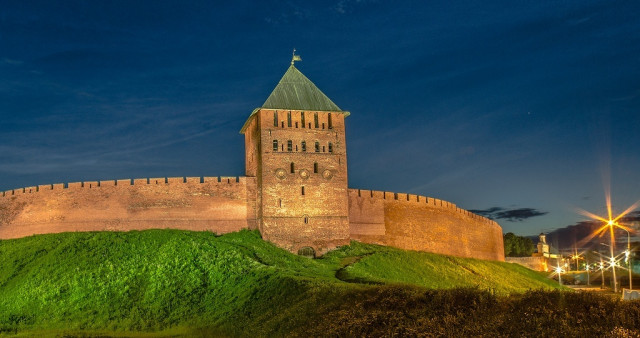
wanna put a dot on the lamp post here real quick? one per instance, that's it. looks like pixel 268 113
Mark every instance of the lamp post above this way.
pixel 588 277
pixel 602 272
pixel 559 272
pixel 611 223
pixel 576 256
pixel 628 258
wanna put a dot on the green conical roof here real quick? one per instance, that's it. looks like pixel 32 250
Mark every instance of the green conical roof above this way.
pixel 296 92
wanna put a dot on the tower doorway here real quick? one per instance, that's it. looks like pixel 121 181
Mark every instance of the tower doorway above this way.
pixel 307 251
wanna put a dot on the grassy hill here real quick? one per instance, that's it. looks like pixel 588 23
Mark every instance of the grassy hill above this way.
pixel 181 282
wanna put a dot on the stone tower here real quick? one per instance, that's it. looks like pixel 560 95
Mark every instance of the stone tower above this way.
pixel 295 147
pixel 543 247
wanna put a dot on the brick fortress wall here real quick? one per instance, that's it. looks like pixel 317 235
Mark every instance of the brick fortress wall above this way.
pixel 422 223
pixel 215 204
pixel 538 263
pixel 228 204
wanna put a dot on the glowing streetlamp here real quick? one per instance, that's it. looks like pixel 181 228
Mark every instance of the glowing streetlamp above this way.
pixel 559 272
pixel 576 257
pixel 602 272
pixel 611 223
pixel 627 257
pixel 612 259
pixel 588 276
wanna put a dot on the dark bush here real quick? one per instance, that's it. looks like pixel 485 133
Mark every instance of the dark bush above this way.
pixel 405 311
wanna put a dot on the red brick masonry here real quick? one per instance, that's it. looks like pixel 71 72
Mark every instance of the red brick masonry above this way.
pixel 228 204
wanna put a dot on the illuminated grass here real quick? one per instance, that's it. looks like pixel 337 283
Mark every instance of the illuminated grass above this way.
pixel 390 265
pixel 171 282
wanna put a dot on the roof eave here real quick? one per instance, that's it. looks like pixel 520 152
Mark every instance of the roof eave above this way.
pixel 246 123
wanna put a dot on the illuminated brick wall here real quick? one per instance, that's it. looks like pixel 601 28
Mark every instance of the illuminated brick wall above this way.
pixel 422 223
pixel 215 204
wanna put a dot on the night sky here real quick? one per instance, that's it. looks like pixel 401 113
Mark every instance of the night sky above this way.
pixel 523 111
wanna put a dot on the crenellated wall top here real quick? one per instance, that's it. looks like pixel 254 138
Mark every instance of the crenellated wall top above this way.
pixel 411 198
pixel 124 183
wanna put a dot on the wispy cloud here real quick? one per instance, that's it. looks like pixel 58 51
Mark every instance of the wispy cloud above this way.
pixel 289 13
pixel 511 215
pixel 12 61
pixel 345 6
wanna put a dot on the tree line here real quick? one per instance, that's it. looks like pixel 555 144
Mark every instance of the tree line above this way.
pixel 517 246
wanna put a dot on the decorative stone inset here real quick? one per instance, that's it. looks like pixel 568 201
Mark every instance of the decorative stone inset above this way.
pixel 327 174
pixel 304 173
pixel 281 173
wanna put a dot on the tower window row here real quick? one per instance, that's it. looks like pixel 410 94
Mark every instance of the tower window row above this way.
pixel 292 167
pixel 303 121
pixel 303 146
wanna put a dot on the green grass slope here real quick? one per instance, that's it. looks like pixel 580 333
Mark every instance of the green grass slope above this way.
pixel 173 282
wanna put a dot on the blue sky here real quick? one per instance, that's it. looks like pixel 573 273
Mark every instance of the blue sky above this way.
pixel 529 108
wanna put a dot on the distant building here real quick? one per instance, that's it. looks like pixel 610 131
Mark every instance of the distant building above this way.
pixel 542 260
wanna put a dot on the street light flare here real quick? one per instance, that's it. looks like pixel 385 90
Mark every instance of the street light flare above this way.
pixel 611 224
pixel 628 210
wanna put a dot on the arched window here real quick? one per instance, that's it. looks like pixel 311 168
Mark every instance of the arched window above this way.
pixel 289 145
pixel 293 168
pixel 275 145
pixel 302 119
pixel 317 147
pixel 306 219
pixel 302 190
pixel 315 167
pixel 330 147
pixel 289 119
pixel 304 146
pixel 275 118
pixel 330 122
pixel 315 119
